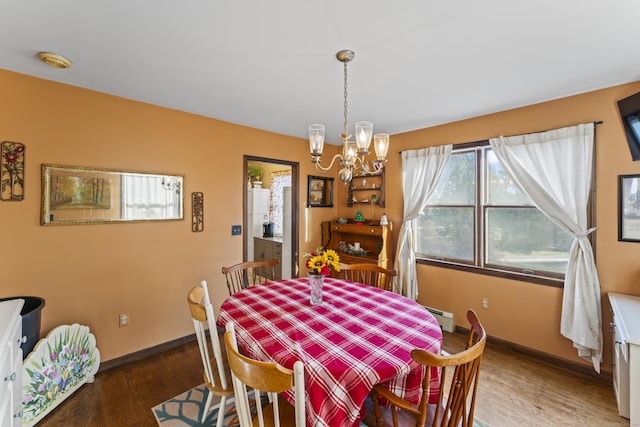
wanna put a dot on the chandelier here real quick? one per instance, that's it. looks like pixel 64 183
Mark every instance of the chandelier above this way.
pixel 353 154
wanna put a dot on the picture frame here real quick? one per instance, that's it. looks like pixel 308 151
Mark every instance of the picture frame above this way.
pixel 84 195
pixel 320 192
pixel 629 208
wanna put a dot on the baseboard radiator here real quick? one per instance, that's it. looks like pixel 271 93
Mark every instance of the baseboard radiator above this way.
pixel 445 319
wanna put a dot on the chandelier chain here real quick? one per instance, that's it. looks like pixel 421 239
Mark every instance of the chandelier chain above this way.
pixel 345 97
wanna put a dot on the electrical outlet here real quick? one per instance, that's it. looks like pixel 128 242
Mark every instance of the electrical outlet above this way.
pixel 124 319
pixel 236 230
pixel 485 303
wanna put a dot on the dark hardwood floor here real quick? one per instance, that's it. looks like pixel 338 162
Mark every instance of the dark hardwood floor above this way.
pixel 123 396
pixel 515 390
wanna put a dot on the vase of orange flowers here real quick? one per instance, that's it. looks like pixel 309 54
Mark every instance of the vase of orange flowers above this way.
pixel 320 264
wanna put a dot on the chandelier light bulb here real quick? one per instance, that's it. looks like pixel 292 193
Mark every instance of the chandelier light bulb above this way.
pixel 381 145
pixel 316 138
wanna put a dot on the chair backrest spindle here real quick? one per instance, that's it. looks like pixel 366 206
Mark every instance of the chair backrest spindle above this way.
pixel 245 274
pixel 369 274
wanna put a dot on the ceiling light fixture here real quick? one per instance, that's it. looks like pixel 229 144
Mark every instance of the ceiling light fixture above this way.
pixel 54 60
pixel 353 154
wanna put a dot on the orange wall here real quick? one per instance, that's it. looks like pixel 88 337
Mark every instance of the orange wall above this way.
pixel 520 312
pixel 88 274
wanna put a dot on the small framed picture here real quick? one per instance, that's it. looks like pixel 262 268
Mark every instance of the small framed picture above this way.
pixel 320 192
pixel 629 208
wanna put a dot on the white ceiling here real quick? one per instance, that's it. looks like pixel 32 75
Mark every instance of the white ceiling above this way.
pixel 271 64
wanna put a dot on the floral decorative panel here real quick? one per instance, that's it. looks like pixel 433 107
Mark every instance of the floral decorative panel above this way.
pixel 197 211
pixel 58 366
pixel 12 171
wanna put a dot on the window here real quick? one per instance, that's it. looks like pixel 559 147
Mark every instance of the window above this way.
pixel 478 218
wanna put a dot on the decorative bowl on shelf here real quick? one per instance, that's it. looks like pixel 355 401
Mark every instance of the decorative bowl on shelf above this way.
pixel 352 249
pixel 342 220
pixel 357 252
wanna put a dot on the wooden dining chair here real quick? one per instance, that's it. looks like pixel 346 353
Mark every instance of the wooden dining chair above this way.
pixel 369 274
pixel 250 273
pixel 269 378
pixel 216 369
pixel 456 409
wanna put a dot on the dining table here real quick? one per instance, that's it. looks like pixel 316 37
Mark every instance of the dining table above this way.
pixel 357 337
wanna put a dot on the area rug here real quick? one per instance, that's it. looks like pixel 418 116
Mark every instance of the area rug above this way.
pixel 186 410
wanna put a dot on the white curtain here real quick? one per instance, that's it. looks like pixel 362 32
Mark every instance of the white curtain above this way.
pixel 554 169
pixel 279 180
pixel 420 172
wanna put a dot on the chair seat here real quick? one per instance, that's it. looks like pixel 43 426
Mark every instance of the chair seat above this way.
pixel 287 414
pixel 217 389
pixel 405 418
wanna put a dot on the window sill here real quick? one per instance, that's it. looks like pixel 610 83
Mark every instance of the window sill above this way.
pixel 545 281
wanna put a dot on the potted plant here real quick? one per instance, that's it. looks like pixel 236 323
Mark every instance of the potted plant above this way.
pixel 255 174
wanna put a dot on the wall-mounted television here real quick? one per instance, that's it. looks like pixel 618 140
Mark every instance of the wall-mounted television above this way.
pixel 630 113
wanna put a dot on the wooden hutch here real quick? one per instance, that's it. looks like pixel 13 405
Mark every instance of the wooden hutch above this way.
pixel 373 238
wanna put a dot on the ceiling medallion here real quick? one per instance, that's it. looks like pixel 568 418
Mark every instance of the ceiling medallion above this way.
pixel 54 60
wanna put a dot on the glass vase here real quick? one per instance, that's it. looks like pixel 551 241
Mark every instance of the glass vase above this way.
pixel 315 285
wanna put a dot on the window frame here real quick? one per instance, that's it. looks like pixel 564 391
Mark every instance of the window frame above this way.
pixel 479 264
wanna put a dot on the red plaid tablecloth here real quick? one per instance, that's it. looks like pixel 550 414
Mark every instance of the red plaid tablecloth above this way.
pixel 358 337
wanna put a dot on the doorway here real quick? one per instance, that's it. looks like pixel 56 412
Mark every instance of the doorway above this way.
pixel 271 210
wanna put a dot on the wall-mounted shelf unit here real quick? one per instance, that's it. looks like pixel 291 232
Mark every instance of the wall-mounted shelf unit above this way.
pixel 366 190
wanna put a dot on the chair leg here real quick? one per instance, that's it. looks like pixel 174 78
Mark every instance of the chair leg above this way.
pixel 207 406
pixel 376 408
pixel 222 408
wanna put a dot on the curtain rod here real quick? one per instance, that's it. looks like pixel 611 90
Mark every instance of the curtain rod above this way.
pixel 463 145
pixel 595 123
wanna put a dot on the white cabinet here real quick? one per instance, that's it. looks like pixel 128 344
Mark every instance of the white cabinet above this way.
pixel 257 214
pixel 11 363
pixel 625 330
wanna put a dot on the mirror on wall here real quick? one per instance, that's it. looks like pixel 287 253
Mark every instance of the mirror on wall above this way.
pixel 82 195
